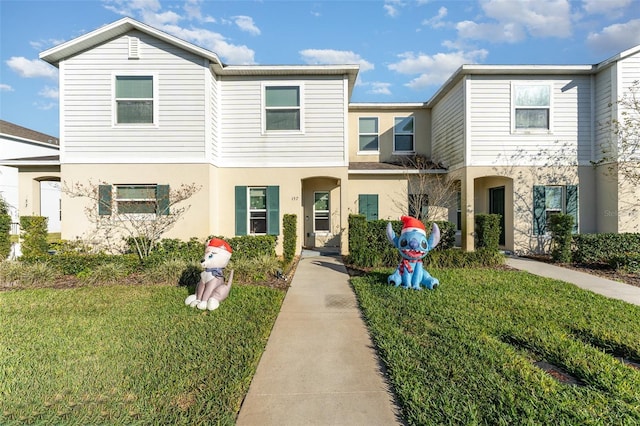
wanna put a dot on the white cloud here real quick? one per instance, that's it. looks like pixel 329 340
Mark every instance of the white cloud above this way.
pixel 5 88
pixel 510 20
pixel 330 56
pixel 437 21
pixel 616 38
pixel 192 8
pixel 49 92
pixel 245 23
pixel 150 12
pixel 434 69
pixel 391 10
pixel 30 68
pixel 45 106
pixel 508 32
pixel 379 88
pixel 239 55
pixel 610 8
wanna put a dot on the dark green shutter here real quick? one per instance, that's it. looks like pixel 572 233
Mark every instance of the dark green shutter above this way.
pixel 273 210
pixel 162 200
pixel 104 200
pixel 539 210
pixel 368 206
pixel 572 204
pixel 241 210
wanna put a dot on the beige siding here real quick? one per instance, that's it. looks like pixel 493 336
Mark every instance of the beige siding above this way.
pixel 321 143
pixel 448 128
pixel 386 119
pixel 492 141
pixel 89 131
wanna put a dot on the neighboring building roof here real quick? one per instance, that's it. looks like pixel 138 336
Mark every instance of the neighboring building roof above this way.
pixel 27 134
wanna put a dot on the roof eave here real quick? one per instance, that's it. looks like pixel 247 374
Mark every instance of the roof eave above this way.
pixel 113 30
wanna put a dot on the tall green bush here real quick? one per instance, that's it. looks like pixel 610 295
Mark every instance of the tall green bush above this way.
pixel 34 235
pixel 5 230
pixel 487 231
pixel 561 227
pixel 289 224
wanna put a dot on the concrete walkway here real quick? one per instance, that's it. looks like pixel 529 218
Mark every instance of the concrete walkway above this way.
pixel 603 286
pixel 319 366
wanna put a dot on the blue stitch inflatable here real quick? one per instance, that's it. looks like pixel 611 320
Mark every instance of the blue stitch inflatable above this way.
pixel 413 245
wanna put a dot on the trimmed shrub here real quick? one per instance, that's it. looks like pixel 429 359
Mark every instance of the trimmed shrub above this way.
pixel 289 224
pixel 34 235
pixel 456 258
pixel 487 231
pixel 369 246
pixel 600 248
pixel 561 227
pixel 628 263
pixel 5 237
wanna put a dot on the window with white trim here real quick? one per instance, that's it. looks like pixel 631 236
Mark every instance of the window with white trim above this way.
pixel 550 200
pixel 368 134
pixel 282 108
pixel 133 199
pixel 321 211
pixel 257 210
pixel 531 107
pixel 403 135
pixel 134 99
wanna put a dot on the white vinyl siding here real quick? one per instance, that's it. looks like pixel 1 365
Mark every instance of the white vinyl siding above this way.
pixel 448 128
pixel 492 141
pixel 604 99
pixel 87 90
pixel 322 143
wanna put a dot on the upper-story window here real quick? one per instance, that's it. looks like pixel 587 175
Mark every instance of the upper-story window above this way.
pixel 282 107
pixel 403 135
pixel 134 99
pixel 368 134
pixel 532 106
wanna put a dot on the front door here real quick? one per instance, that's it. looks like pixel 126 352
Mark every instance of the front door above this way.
pixel 496 206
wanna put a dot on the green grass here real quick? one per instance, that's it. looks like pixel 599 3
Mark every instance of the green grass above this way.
pixel 464 354
pixel 129 355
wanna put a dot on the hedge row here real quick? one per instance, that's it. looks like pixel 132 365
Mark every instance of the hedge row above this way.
pixel 601 248
pixel 369 246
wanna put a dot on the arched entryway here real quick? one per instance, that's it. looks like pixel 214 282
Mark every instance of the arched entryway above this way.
pixel 322 220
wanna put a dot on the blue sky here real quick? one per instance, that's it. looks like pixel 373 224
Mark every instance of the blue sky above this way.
pixel 406 49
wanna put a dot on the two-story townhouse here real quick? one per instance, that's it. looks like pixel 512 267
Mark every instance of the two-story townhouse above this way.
pixel 524 141
pixel 143 111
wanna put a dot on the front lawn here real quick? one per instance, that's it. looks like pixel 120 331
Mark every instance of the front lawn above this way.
pixel 471 351
pixel 129 354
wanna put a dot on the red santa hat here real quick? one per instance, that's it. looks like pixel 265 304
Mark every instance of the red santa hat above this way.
pixel 217 242
pixel 412 224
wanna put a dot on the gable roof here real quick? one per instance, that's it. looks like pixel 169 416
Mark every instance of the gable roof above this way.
pixel 11 129
pixel 475 69
pixel 113 30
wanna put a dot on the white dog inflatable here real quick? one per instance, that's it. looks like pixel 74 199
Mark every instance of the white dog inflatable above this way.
pixel 212 290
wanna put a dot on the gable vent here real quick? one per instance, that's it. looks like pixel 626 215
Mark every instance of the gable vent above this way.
pixel 134 48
